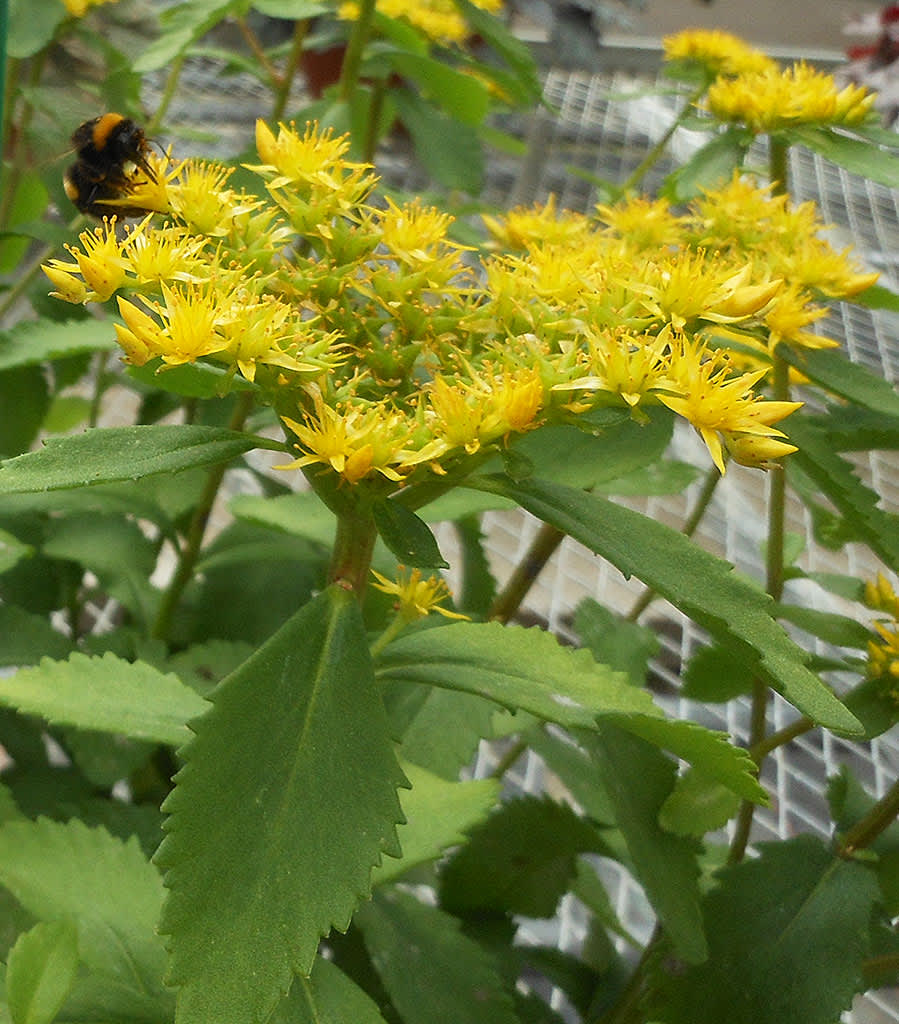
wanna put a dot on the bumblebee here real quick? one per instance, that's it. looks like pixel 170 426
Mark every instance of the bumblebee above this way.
pixel 111 150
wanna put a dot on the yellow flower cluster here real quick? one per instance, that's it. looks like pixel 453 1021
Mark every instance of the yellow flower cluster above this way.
pixel 772 100
pixel 416 597
pixel 439 20
pixel 391 353
pixel 883 653
pixel 78 8
pixel 715 52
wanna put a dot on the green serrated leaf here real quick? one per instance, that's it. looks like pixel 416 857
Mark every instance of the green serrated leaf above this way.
pixel 852 428
pixel 430 969
pixel 787 933
pixel 303 514
pixel 35 341
pixel 437 813
pixel 638 780
pixel 32 28
pixel 407 536
pixel 703 586
pixel 191 380
pixel 833 370
pixel 855 155
pixel 109 454
pixel 273 860
pixel 40 971
pixel 478 589
pixel 106 887
pixel 520 861
pixel 858 504
pixel 327 996
pixel 105 694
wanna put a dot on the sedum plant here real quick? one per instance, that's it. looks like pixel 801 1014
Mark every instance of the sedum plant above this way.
pixel 244 795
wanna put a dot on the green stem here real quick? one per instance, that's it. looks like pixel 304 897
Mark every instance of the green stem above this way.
pixel 258 50
pixel 876 821
pixel 393 630
pixel 353 547
pixel 781 738
pixel 352 61
pixel 778 166
pixel 652 157
pixel 190 552
pixel 703 500
pixel 19 159
pixel 509 599
pixel 508 759
pixel 745 815
pixel 300 31
pixel 99 389
pixel 375 108
pixel 168 93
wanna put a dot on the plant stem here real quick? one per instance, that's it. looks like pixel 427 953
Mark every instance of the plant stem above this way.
pixel 509 599
pixel 877 820
pixel 258 50
pixel 508 759
pixel 778 166
pixel 190 552
pixel 168 93
pixel 352 61
pixel 781 738
pixel 353 547
pixel 703 500
pixel 652 157
pixel 393 630
pixel 375 108
pixel 19 159
pixel 300 31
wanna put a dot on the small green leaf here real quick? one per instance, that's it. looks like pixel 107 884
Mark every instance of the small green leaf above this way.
pixel 270 862
pixel 106 887
pixel 520 861
pixel 834 371
pixel 445 732
pixel 182 26
pixel 12 551
pixel 697 804
pixel 835 629
pixel 512 50
pixel 787 934
pixel 32 27
pixel 25 637
pixel 327 996
pixel 877 297
pixel 639 779
pixel 191 380
pixel 703 586
pixel 709 166
pixel 716 674
pixel 837 479
pixel 105 694
pixel 478 590
pixel 437 813
pixel 613 641
pixel 40 971
pixel 462 96
pixel 108 454
pixel 430 969
pixel 450 150
pixel 407 536
pixel 855 155
pixel 36 341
